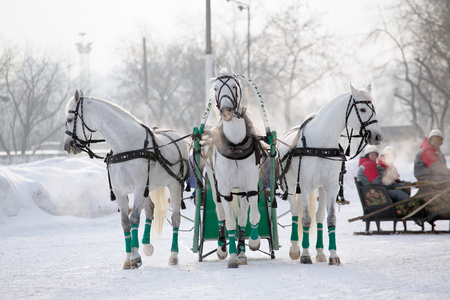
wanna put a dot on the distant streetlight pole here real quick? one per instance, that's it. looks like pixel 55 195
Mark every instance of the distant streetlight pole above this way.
pixel 84 50
pixel 241 7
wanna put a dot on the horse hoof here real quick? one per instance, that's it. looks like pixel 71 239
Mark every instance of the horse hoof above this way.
pixel 222 252
pixel 321 258
pixel 334 261
pixel 242 258
pixel 254 244
pixel 306 260
pixel 294 252
pixel 127 265
pixel 136 263
pixel 173 260
pixel 148 249
pixel 233 261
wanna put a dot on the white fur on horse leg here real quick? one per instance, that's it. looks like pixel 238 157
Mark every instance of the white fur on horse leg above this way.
pixel 135 259
pixel 242 258
pixel 173 260
pixel 148 249
pixel 320 257
pixel 294 251
pixel 305 258
pixel 127 263
pixel 222 252
pixel 254 244
pixel 233 261
pixel 334 258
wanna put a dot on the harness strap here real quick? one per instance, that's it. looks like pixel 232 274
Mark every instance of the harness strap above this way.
pixel 240 194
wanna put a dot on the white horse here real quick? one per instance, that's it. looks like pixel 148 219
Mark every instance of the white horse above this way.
pixel 142 160
pixel 235 165
pixel 319 165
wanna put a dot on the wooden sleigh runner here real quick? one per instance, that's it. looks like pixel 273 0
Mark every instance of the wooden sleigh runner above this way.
pixel 426 205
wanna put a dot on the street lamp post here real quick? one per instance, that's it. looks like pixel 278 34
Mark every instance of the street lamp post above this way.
pixel 241 7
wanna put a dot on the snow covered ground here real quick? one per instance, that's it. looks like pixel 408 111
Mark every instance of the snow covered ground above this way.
pixel 60 237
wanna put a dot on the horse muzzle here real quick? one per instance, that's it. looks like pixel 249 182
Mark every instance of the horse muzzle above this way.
pixel 227 113
pixel 375 138
pixel 71 147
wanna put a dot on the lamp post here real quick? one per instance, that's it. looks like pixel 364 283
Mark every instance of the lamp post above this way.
pixel 241 7
pixel 84 50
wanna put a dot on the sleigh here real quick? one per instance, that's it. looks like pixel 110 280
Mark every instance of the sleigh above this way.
pixel 424 207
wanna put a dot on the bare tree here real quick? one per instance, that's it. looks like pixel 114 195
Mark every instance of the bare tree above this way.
pixel 36 87
pixel 421 33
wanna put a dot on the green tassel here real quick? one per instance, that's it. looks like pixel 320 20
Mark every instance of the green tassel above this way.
pixel 305 240
pixel 294 233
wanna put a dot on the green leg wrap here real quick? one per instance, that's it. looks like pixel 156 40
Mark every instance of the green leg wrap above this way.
pixel 134 236
pixel 319 242
pixel 147 229
pixel 241 240
pixel 127 241
pixel 174 240
pixel 294 233
pixel 305 240
pixel 254 232
pixel 232 241
pixel 222 240
pixel 332 238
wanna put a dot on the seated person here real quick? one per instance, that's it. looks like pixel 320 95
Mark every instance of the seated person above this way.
pixel 369 174
pixel 430 163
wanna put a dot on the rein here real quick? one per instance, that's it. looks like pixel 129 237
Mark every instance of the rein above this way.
pixel 336 154
pixel 83 145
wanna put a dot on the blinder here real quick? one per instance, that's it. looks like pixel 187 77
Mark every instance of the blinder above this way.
pixel 236 95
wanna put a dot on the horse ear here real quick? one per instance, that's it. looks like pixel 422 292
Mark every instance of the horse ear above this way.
pixel 229 68
pixel 217 69
pixel 354 91
pixel 369 88
pixel 77 96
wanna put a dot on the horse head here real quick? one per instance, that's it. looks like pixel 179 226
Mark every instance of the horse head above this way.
pixel 78 134
pixel 361 115
pixel 227 92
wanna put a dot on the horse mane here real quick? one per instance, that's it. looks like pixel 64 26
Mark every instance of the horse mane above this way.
pixel 116 107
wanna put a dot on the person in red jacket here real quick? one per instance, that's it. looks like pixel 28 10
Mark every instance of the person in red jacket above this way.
pixel 369 173
pixel 430 163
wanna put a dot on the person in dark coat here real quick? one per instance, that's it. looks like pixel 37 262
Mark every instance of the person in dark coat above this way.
pixel 430 163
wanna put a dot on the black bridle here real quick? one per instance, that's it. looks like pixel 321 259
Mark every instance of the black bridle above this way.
pixel 236 94
pixel 76 142
pixel 364 134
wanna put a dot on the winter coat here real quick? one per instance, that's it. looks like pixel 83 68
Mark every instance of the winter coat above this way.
pixel 430 163
pixel 369 172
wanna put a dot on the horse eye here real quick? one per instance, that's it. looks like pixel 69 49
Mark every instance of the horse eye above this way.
pixel 363 110
pixel 69 120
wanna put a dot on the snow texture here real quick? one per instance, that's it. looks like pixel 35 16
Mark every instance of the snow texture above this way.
pixel 61 237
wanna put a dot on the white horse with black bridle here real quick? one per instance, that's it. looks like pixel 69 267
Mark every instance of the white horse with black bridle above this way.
pixel 311 158
pixel 142 161
pixel 235 165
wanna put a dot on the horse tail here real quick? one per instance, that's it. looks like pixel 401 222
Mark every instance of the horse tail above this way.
pixel 159 198
pixel 312 212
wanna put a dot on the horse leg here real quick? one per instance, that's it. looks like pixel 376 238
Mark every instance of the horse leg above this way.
pixel 294 250
pixel 233 261
pixel 149 207
pixel 254 242
pixel 122 203
pixel 331 220
pixel 176 194
pixel 305 258
pixel 222 251
pixel 242 222
pixel 135 217
pixel 320 216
